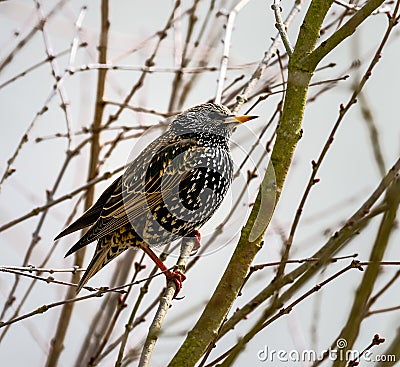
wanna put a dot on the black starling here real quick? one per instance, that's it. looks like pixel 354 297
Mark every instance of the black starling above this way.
pixel 168 192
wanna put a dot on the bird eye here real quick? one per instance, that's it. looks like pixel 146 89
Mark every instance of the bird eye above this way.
pixel 214 115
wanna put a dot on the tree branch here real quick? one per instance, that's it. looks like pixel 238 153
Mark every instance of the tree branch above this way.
pixel 66 312
pixel 311 61
pixel 227 45
pixel 165 302
pixel 288 134
pixel 276 7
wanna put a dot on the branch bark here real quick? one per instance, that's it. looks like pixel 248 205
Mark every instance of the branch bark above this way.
pixel 164 305
pixel 57 343
pixel 360 305
pixel 341 34
pixel 289 132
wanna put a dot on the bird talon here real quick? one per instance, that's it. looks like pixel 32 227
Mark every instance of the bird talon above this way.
pixel 177 277
pixel 197 236
pixel 194 251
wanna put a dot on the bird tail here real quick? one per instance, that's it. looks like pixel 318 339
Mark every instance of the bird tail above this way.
pixel 105 252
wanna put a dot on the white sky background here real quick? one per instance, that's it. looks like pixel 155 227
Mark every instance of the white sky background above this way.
pixel 348 175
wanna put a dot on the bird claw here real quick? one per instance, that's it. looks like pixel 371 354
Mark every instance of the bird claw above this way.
pixel 196 235
pixel 194 251
pixel 177 277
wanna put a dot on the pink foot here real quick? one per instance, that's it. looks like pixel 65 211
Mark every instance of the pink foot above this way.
pixel 177 277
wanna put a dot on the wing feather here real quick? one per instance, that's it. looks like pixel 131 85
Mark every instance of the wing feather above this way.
pixel 143 186
pixel 93 213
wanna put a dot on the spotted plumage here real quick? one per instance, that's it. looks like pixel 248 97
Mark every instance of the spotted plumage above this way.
pixel 168 192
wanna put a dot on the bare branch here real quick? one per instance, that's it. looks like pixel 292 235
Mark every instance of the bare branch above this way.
pixel 165 302
pixel 276 7
pixel 227 45
pixel 251 84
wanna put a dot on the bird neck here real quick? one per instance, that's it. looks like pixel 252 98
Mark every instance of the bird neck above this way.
pixel 205 138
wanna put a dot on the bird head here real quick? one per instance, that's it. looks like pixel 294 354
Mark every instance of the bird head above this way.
pixel 208 118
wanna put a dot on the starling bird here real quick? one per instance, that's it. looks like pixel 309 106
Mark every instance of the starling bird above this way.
pixel 168 192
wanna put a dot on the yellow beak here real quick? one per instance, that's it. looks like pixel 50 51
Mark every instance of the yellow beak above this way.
pixel 243 119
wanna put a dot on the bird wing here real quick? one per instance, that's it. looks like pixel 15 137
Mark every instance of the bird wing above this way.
pixel 143 186
pixel 150 184
pixel 93 213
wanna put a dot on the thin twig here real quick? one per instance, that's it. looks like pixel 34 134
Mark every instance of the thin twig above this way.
pixel 36 66
pixel 75 40
pixel 336 241
pixel 232 353
pixel 382 310
pixel 227 45
pixel 66 312
pixel 165 302
pixel 352 8
pixel 121 304
pixel 149 69
pixel 95 292
pixel 242 97
pixel 24 41
pixel 139 319
pixel 39 209
pixel 58 78
pixel 35 269
pixel 276 7
pixel 184 61
pixel 343 110
pixel 48 280
pixel 378 294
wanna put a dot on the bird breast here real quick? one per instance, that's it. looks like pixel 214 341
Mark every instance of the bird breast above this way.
pixel 182 184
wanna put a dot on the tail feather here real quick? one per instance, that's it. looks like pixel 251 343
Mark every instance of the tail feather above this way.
pixel 105 252
pixel 92 214
pixel 92 234
pixel 86 220
pixel 81 243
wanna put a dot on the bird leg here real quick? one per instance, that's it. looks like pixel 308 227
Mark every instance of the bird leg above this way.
pixel 176 276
